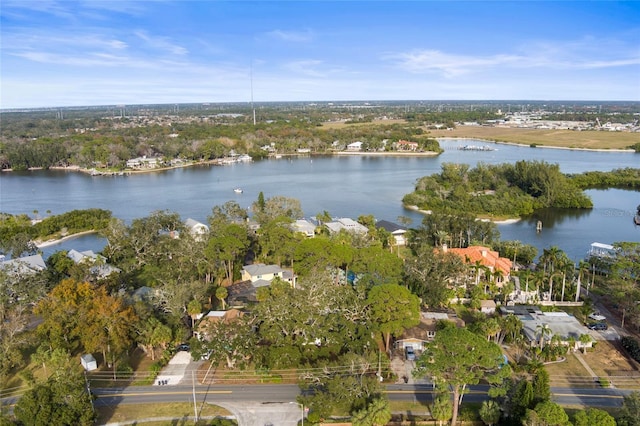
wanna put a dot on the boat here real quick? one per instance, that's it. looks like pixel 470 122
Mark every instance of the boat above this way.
pixel 238 190
pixel 636 219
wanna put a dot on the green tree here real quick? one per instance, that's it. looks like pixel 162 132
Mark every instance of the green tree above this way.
pixel 458 358
pixel 442 408
pixel 630 413
pixel 490 412
pixel 393 309
pixel 229 245
pixel 551 414
pixel 221 295
pixel 593 416
pixel 61 400
pixel 541 388
pixel 376 413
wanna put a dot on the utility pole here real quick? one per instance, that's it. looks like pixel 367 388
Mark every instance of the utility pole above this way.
pixel 195 408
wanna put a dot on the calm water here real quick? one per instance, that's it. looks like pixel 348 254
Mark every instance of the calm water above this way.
pixel 344 186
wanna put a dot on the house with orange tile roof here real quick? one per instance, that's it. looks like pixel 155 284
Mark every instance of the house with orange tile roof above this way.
pixel 499 268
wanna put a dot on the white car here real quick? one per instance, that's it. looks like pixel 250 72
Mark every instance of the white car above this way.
pixel 597 317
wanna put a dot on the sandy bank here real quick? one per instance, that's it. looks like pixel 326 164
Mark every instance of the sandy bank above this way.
pixel 500 222
pixel 42 244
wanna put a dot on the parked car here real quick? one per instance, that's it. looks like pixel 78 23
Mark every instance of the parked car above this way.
pixel 410 355
pixel 597 317
pixel 184 347
pixel 598 326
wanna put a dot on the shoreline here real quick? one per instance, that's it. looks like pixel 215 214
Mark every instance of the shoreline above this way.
pixel 48 243
pixel 524 145
pixel 497 222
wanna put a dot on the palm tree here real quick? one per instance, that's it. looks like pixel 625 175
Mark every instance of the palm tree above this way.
pixel 221 295
pixel 584 340
pixel 543 331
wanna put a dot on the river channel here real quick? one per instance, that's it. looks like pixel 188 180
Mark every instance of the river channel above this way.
pixel 344 186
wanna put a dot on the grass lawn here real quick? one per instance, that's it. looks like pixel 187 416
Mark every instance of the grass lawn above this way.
pixel 544 137
pixel 177 410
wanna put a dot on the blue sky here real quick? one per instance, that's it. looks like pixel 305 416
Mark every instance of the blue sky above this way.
pixel 69 53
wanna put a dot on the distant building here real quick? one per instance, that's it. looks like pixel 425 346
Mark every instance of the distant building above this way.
pixel 355 146
pixel 305 227
pixel 403 145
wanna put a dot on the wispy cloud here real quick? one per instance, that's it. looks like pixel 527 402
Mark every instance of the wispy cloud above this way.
pixel 309 68
pixel 580 54
pixel 421 61
pixel 161 43
pixel 291 36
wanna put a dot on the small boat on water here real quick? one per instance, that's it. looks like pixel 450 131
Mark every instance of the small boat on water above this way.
pixel 238 190
pixel 636 219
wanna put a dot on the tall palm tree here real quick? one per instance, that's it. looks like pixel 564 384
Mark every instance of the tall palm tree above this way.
pixel 543 331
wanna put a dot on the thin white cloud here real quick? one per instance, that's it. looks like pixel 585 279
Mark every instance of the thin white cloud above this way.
pixel 161 43
pixel 292 36
pixel 309 68
pixel 421 61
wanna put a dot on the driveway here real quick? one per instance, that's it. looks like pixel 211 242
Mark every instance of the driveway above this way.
pixel 265 413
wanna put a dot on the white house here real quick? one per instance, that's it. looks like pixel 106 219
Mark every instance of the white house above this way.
pixel 197 229
pixel 261 275
pixel 396 230
pixel 305 227
pixel 354 146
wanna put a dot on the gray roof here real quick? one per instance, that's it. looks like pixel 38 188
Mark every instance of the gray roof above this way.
pixel 24 265
pixel 262 269
pixel 390 226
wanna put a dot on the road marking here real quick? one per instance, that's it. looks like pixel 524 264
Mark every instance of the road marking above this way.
pixel 109 395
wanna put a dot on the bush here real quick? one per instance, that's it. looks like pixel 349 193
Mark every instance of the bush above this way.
pixel 632 347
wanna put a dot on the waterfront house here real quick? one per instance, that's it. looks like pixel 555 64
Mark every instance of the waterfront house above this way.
pixel 197 229
pixel 305 227
pixel 354 146
pixel 396 230
pixel 345 224
pixel 494 267
pixel 99 269
pixel 403 145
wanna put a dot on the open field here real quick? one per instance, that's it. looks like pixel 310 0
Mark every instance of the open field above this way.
pixel 544 137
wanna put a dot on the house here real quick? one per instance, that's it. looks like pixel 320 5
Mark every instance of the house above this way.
pixel 100 268
pixel 487 307
pixel 566 326
pixel 354 146
pixel 143 162
pixel 403 145
pixel 227 317
pixel 416 337
pixel 305 227
pixel 396 230
pixel 346 224
pixel 261 275
pixel 197 229
pixel 27 265
pixel 498 267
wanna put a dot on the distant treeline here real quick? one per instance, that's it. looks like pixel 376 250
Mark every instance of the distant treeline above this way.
pixel 497 191
pixel 626 178
pixel 110 147
pixel 12 226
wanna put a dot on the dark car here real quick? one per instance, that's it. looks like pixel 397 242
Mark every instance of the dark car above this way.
pixel 184 347
pixel 410 354
pixel 598 326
